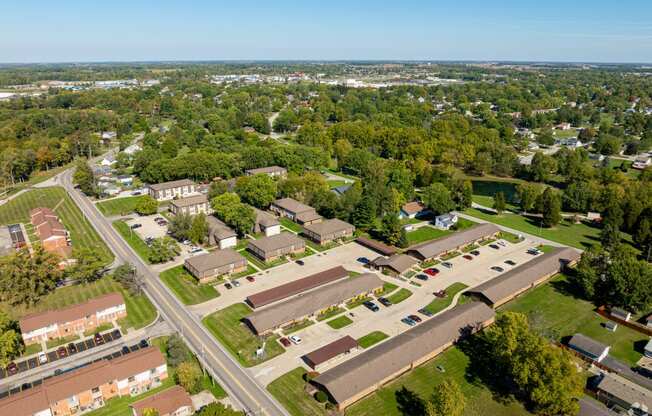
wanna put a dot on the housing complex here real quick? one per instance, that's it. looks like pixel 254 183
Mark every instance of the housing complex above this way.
pixel 191 205
pixel 431 249
pixel 275 246
pixel 220 234
pixel 327 231
pixel 210 266
pixel 51 232
pixel 266 223
pixel 271 171
pixel 174 401
pixel 330 353
pixel 175 189
pixel 296 211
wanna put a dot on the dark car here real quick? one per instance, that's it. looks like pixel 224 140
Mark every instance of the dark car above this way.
pixel 497 269
pixel 468 257
pixel 300 262
pixel 371 306
pixel 440 293
pixel 98 339
pixel 285 342
pixel 494 246
pixel 134 226
pixel 510 262
pixel 385 301
pixel 414 318
pixel 72 348
pixel 475 252
pixel 143 343
pixel 363 260
pixel 425 312
pixel 62 352
pixel 12 368
pixel 251 278
pixel 227 285
pixel 408 321
pixel 422 276
pixel 125 350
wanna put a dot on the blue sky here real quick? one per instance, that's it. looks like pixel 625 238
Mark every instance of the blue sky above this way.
pixel 542 30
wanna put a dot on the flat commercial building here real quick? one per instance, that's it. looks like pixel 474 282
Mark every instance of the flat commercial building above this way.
pixel 174 189
pixel 88 388
pixel 455 241
pixel 309 303
pixel 191 205
pixel 507 286
pixel 71 320
pixel 275 246
pixel 296 211
pixel 210 266
pixel 329 353
pixel 170 402
pixel 328 230
pixel 367 372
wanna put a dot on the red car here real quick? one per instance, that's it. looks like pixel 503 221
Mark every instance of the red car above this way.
pixel 286 342
pixel 12 368
pixel 431 271
pixel 251 278
pixel 468 256
pixel 62 352
pixel 414 318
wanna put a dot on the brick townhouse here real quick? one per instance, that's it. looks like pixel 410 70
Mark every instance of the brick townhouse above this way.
pixel 73 319
pixel 89 387
pixel 51 232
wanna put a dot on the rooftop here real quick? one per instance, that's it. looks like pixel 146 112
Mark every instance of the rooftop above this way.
pixel 165 402
pixel 382 248
pixel 625 390
pixel 329 227
pixel 329 351
pixel 442 245
pixel 277 242
pixel 266 170
pixel 292 205
pixel 413 207
pixel 586 344
pixel 190 201
pixel 171 184
pixel 398 262
pixel 214 259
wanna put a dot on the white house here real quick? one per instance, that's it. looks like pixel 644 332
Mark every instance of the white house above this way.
pixel 411 210
pixel 132 149
pixel 445 221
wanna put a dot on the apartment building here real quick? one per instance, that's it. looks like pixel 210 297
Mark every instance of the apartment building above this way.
pixel 279 245
pixel 51 232
pixel 73 319
pixel 174 401
pixel 170 190
pixel 191 205
pixel 296 211
pixel 210 266
pixel 328 230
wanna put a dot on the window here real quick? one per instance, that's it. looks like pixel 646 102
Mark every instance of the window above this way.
pixel 95 389
pixel 130 379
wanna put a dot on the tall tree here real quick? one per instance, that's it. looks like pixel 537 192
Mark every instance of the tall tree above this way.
pixel 446 400
pixel 84 178
pixel 258 190
pixel 10 340
pixel 199 229
pixel 438 198
pixel 25 277
pixel 188 375
pixel 89 265
pixel 551 207
pixel 499 203
pixel 180 226
pixel 163 249
pixel 147 206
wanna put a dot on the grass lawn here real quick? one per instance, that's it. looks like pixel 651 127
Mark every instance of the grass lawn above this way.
pixel 132 238
pixel 439 304
pixel 297 326
pixel 61 341
pixel 399 296
pixel 339 322
pixel 425 233
pixel 421 380
pixel 372 338
pixel 289 391
pixel 357 302
pixel 556 313
pixel 330 313
pixel 290 225
pixel 185 286
pixel 387 288
pixel 334 183
pixel 250 270
pixel 100 328
pixel 35 178
pixel 512 238
pixel 320 247
pixel 227 327
pixel 32 349
pixel 119 206
pixel 140 311
pixel 81 232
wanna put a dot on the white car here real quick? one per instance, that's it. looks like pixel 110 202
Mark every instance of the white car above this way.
pixel 42 358
pixel 295 339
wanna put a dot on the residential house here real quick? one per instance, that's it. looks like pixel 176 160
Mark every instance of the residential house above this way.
pixel 220 234
pixel 328 230
pixel 210 266
pixel 589 347
pixel 51 232
pixel 330 353
pixel 125 180
pixel 279 245
pixel 642 162
pixel 89 387
pixel 570 142
pixel 271 171
pixel 623 396
pixel 174 401
pixel 72 320
pixel 169 190
pixel 191 205
pixel 412 210
pixel 296 211
pixel 266 223
pixel 394 265
pixel 620 313
pixel 445 221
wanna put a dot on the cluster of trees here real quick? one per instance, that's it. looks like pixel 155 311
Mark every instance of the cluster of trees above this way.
pixel 229 208
pixel 188 227
pixel 163 249
pixel 147 206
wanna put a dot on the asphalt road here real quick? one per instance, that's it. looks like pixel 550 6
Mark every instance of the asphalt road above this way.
pixel 242 389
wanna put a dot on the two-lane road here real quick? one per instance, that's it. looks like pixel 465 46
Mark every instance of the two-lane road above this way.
pixel 235 380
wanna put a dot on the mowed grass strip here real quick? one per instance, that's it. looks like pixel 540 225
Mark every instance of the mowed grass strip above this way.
pixel 227 327
pixel 82 233
pixel 290 225
pixel 399 296
pixel 339 322
pixel 372 338
pixel 289 391
pixel 425 233
pixel 439 304
pixel 119 206
pixel 186 288
pixel 132 238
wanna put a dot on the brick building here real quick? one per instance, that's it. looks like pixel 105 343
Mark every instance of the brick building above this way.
pixel 51 232
pixel 175 189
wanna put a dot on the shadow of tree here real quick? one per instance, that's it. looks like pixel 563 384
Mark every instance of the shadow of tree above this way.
pixel 409 403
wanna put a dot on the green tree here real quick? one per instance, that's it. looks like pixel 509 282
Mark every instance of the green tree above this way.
pixel 499 203
pixel 147 206
pixel 128 277
pixel 551 207
pixel 527 195
pixel 199 229
pixel 89 265
pixel 542 167
pixel 258 190
pixel 446 400
pixel 180 225
pixel 10 340
pixel 437 198
pixel 188 375
pixel 163 249
pixel 25 277
pixel 218 409
pixel 177 351
pixel 364 216
pixel 84 178
pixel 391 229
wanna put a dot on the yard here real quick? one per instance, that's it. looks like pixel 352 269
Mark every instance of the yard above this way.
pixel 289 391
pixel 372 338
pixel 556 313
pixel 290 225
pixel 399 296
pixel 81 232
pixel 185 286
pixel 119 206
pixel 227 327
pixel 132 238
pixel 425 233
pixel 439 304
pixel 421 380
pixel 140 311
pixel 339 322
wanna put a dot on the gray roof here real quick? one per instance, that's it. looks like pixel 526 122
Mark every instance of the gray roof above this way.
pixel 377 364
pixel 292 205
pixel 171 184
pixel 334 225
pixel 434 248
pixel 219 229
pixel 310 302
pixel 625 390
pixel 214 259
pixel 190 201
pixel 277 242
pixel 523 276
pixel 266 170
pixel 307 216
pixel 265 218
pixel 398 262
pixel 340 190
pixel 588 345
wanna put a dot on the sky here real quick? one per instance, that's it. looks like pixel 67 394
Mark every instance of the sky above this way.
pixel 136 30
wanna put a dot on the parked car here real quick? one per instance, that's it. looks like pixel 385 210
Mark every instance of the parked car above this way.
pixel 251 278
pixel 415 318
pixel 363 260
pixel 227 285
pixel 534 251
pixel 475 252
pixel 422 276
pixel 497 269
pixel 501 243
pixel 371 306
pixel 72 348
pixel 510 262
pixel 468 257
pixel 300 262
pixel 431 271
pixel 447 264
pixel 125 350
pixel 408 321
pixel 134 226
pixel 136 193
pixel 494 246
pixel 12 368
pixel 42 358
pixel 186 242
pixel 425 312
pixel 295 339
pixel 62 352
pixel 235 283
pixel 143 343
pixel 98 339
pixel 285 342
pixel 440 293
pixel 157 219
pixel 385 301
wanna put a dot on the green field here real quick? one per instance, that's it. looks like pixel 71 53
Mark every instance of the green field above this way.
pixel 556 313
pixel 140 311
pixel 132 238
pixel 290 225
pixel 35 178
pixel 372 338
pixel 289 391
pixel 399 296
pixel 421 380
pixel 425 233
pixel 339 322
pixel 439 304
pixel 119 206
pixel 227 327
pixel 334 183
pixel 81 232
pixel 185 286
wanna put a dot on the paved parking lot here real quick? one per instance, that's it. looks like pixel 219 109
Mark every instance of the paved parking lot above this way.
pixel 388 319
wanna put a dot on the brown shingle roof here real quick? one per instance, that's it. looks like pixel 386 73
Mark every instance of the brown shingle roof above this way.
pixel 625 390
pixel 329 351
pixel 25 403
pixel 377 364
pixel 219 229
pixel 398 262
pixel 59 316
pixel 587 345
pixel 277 242
pixel 334 225
pixel 166 402
pixel 171 184
pixel 308 216
pixel 46 223
pixel 292 288
pixel 382 248
pixel 190 201
pixel 214 259
pixel 413 207
pixel 265 218
pixel 292 205
pixel 313 301
pixel 521 277
pixel 435 248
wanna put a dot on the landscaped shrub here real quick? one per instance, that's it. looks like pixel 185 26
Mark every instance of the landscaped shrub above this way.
pixel 321 397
